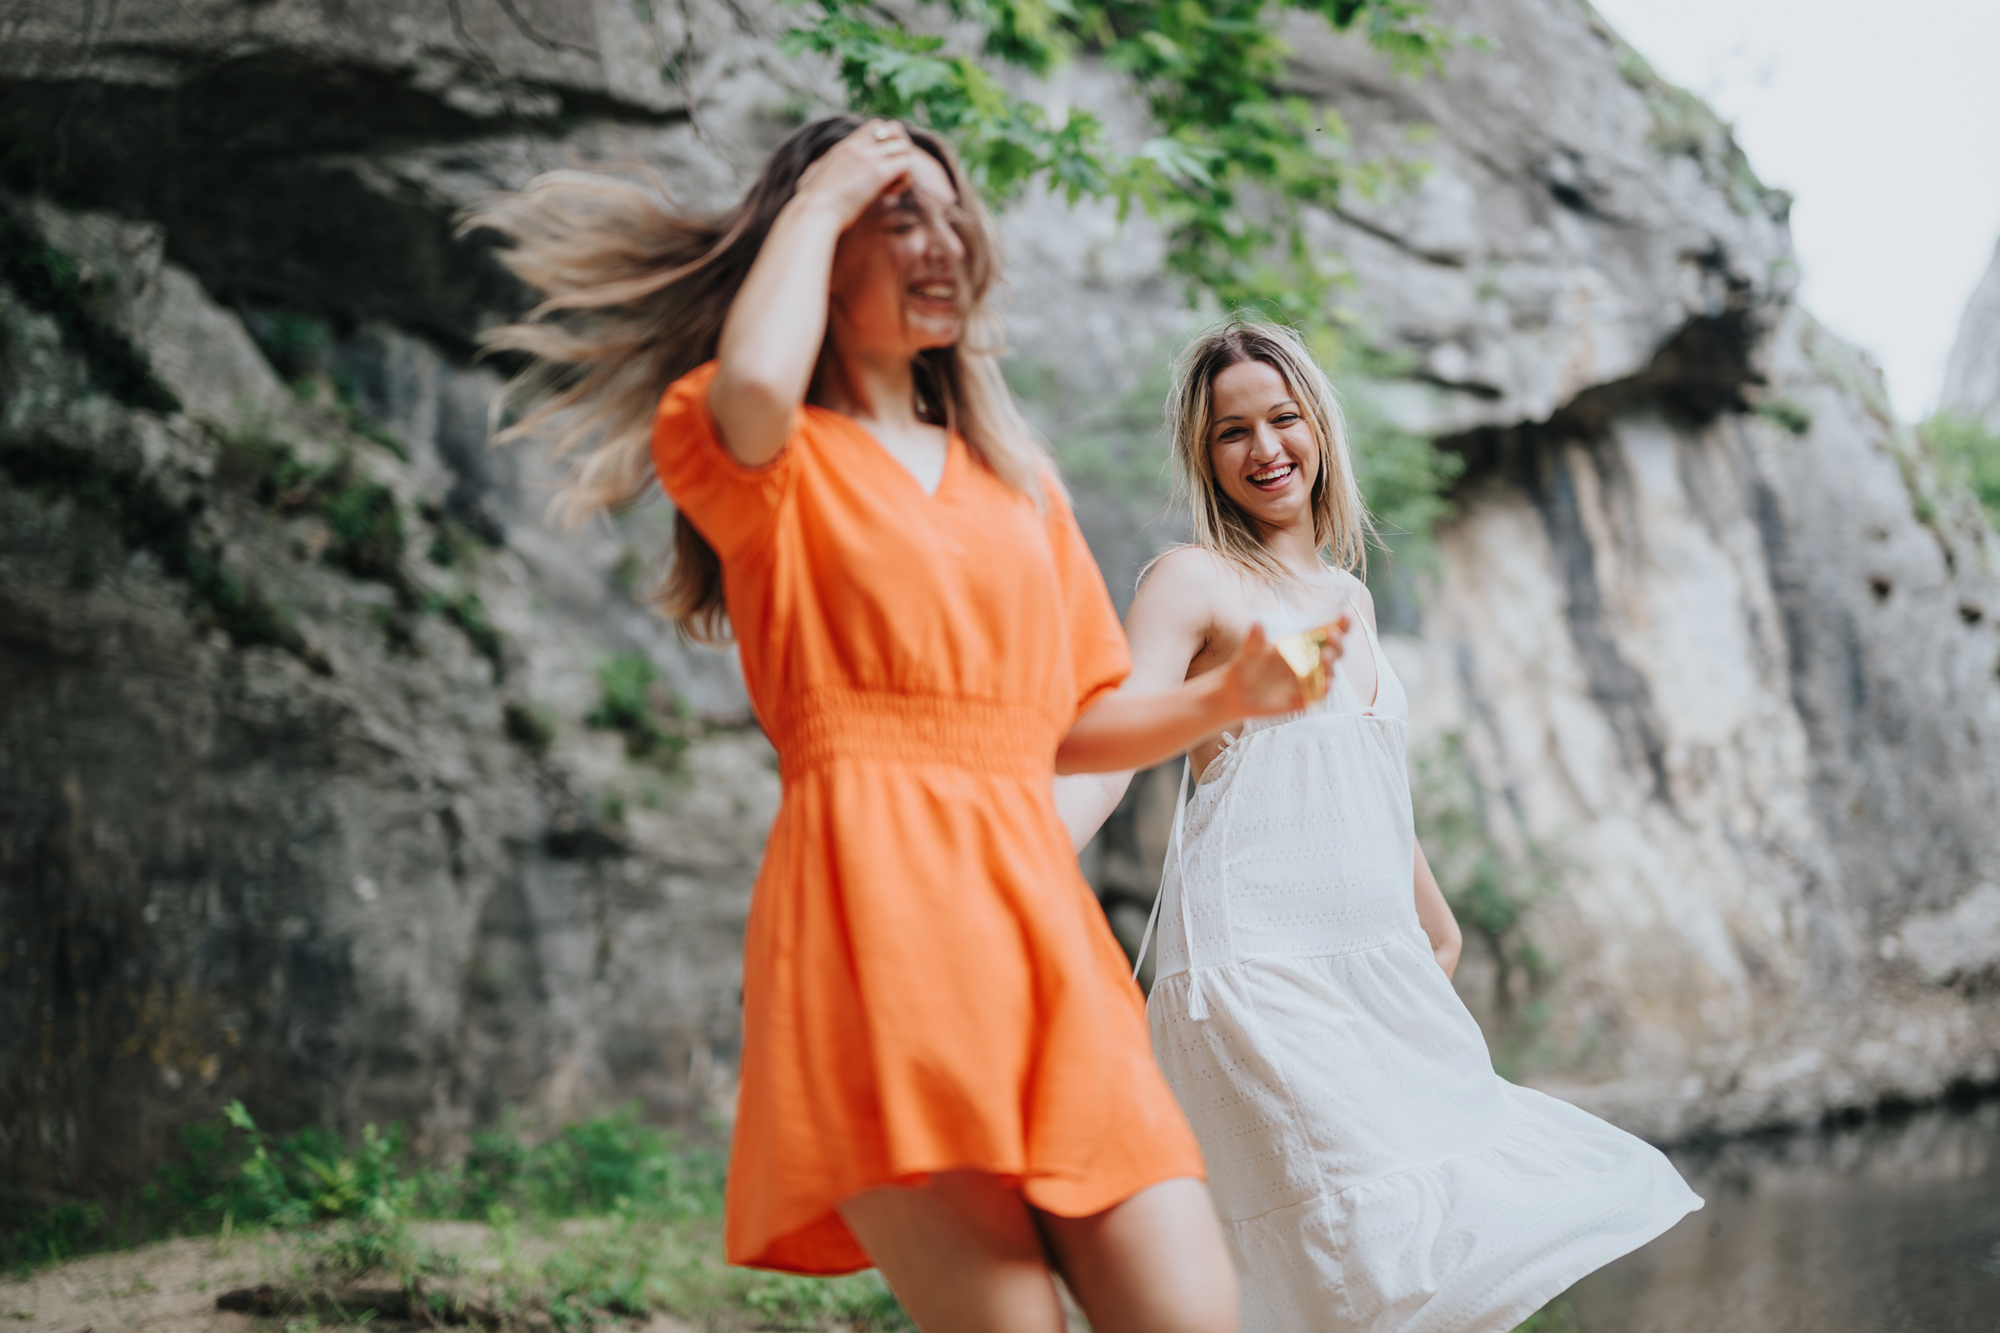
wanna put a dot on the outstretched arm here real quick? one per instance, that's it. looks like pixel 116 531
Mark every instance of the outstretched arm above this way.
pixel 1165 627
pixel 1130 731
pixel 771 337
pixel 1159 713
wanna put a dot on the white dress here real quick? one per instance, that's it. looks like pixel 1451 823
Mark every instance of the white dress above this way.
pixel 1373 1173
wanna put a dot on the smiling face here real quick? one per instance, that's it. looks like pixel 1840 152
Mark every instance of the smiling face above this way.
pixel 898 279
pixel 1261 446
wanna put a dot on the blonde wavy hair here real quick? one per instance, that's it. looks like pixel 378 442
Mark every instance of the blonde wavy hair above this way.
pixel 635 290
pixel 1342 528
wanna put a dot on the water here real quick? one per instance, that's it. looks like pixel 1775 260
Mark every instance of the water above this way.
pixel 1891 1226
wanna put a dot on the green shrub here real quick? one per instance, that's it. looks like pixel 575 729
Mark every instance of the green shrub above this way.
pixel 654 728
pixel 1970 456
pixel 367 524
pixel 363 516
pixel 30 1236
pixel 608 1164
pixel 1787 415
pixel 298 346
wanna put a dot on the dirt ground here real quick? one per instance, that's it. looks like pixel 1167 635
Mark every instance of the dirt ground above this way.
pixel 172 1286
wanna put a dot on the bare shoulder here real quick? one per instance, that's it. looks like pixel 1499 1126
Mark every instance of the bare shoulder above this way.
pixel 1184 571
pixel 1175 613
pixel 1358 591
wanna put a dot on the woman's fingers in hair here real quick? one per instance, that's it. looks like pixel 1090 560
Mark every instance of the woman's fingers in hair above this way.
pixel 861 168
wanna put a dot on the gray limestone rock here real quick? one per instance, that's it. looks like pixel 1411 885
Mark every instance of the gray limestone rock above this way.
pixel 300 798
pixel 1972 374
pixel 284 819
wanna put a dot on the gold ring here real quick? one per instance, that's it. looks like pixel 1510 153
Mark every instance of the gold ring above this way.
pixel 1301 652
pixel 882 132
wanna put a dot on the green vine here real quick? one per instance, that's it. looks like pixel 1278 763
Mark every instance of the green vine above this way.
pixel 1235 162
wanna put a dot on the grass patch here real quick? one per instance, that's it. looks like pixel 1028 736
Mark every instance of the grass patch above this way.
pixel 634 701
pixel 605 1221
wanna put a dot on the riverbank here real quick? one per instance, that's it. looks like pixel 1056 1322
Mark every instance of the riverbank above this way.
pixel 606 1222
pixel 644 1277
pixel 1889 1222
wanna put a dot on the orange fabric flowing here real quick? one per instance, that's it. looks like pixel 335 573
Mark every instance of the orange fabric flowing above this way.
pixel 928 983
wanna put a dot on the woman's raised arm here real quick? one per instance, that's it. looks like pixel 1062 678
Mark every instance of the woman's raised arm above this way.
pixel 771 337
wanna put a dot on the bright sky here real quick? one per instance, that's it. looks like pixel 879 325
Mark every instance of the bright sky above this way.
pixel 1883 120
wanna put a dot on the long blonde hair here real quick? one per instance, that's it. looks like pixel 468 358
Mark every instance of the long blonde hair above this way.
pixel 1342 528
pixel 635 292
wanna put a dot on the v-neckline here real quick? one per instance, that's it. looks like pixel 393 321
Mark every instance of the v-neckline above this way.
pixel 889 457
pixel 1375 658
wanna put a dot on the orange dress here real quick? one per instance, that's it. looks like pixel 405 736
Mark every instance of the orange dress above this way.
pixel 928 983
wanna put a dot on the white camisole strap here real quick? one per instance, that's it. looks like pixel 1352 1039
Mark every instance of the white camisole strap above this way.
pixel 1197 1009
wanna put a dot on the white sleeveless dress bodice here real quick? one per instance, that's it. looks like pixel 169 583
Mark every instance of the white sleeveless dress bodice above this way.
pixel 1372 1172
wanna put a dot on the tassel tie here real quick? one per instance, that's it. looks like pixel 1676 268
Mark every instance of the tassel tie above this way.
pixel 1197 1002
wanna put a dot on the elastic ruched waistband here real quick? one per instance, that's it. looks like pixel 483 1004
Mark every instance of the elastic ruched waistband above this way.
pixel 979 735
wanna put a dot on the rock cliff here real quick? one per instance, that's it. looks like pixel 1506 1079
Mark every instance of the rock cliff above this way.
pixel 1972 375
pixel 334 778
pixel 1705 668
pixel 1707 635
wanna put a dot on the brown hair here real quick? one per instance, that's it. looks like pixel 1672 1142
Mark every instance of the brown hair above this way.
pixel 1341 526
pixel 635 292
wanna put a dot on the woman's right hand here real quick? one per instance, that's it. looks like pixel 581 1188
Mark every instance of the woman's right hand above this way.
pixel 858 170
pixel 771 338
pixel 1263 682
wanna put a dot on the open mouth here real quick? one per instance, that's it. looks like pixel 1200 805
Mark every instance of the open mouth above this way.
pixel 940 297
pixel 1274 477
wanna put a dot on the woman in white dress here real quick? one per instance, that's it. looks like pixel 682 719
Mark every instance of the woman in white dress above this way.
pixel 1372 1171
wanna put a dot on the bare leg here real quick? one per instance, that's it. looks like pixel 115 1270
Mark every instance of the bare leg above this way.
pixel 961 1252
pixel 1156 1263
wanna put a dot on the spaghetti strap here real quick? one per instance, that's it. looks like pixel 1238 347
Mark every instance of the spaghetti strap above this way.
pixel 1197 1004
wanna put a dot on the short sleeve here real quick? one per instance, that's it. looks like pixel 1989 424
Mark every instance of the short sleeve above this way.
pixel 730 504
pixel 1099 654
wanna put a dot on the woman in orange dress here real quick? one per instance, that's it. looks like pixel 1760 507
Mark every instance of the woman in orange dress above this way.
pixel 946 1071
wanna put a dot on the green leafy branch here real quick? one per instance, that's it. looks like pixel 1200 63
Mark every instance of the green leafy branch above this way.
pixel 1236 160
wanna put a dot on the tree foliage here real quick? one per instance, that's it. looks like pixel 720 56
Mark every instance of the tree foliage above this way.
pixel 1236 158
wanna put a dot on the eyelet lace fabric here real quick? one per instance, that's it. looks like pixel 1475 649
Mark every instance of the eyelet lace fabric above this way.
pixel 1373 1173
